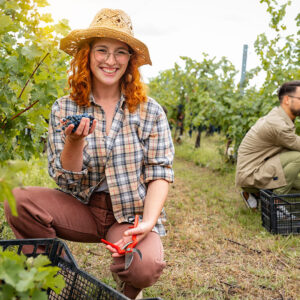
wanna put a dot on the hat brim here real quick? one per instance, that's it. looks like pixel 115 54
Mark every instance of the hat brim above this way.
pixel 75 38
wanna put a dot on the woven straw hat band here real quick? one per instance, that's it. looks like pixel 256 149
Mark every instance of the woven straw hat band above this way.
pixel 109 23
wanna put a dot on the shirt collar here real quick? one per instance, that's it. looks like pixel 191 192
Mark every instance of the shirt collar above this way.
pixel 285 116
pixel 120 102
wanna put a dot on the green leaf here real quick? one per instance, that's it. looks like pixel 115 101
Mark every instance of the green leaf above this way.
pixel 27 282
pixel 56 283
pixel 5 23
pixel 42 3
pixel 7 292
pixel 39 261
pixel 47 18
pixel 9 272
pixel 13 5
pixel 39 295
pixel 32 52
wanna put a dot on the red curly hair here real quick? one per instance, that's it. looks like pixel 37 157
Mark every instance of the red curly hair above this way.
pixel 80 80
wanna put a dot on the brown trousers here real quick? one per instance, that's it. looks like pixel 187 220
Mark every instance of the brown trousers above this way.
pixel 49 213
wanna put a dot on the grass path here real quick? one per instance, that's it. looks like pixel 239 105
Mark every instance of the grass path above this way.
pixel 215 248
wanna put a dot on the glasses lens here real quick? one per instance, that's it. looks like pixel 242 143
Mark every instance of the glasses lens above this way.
pixel 100 54
pixel 121 56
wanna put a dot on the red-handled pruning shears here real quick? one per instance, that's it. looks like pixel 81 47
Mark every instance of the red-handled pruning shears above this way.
pixel 129 248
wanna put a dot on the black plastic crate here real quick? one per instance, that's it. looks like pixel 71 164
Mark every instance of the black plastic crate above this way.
pixel 79 284
pixel 280 213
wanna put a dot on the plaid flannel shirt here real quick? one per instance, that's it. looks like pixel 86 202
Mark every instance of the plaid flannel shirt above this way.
pixel 138 149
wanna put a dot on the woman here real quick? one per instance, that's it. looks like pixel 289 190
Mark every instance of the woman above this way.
pixel 108 172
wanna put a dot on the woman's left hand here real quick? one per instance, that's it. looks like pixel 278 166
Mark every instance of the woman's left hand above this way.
pixel 140 231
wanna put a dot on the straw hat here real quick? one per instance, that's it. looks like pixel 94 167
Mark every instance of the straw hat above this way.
pixel 109 23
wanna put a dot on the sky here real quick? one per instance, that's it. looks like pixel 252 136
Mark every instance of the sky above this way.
pixel 174 28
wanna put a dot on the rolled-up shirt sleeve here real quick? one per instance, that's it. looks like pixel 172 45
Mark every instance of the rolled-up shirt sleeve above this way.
pixel 159 150
pixel 66 180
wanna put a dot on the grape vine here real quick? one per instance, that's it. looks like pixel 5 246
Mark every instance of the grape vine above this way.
pixel 207 92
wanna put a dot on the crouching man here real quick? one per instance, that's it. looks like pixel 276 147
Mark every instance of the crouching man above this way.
pixel 269 155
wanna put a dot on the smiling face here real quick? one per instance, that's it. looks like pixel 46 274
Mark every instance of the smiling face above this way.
pixel 108 61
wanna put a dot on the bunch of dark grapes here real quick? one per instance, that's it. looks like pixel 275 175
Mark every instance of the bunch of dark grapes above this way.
pixel 75 120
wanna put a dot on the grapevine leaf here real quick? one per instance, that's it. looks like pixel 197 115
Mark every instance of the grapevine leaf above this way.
pixel 39 261
pixel 9 272
pixel 7 292
pixel 27 282
pixel 39 295
pixel 32 52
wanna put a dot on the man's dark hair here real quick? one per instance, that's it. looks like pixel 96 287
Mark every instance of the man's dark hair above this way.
pixel 288 88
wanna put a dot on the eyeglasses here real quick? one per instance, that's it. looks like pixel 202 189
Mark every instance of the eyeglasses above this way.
pixel 298 98
pixel 122 56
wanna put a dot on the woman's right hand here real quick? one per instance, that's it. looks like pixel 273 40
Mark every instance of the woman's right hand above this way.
pixel 72 154
pixel 81 132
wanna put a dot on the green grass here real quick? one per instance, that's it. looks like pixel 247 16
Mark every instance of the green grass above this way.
pixel 209 155
pixel 215 247
pixel 38 174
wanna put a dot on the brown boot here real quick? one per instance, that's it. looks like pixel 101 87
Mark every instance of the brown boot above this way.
pixel 140 295
pixel 119 282
pixel 121 286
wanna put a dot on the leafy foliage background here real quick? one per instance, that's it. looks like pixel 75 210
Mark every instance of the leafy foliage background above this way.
pixel 32 76
pixel 207 91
